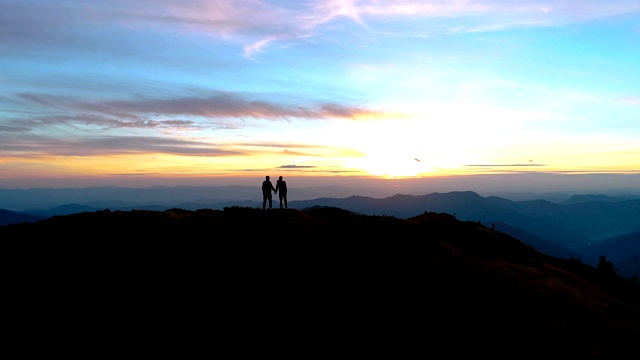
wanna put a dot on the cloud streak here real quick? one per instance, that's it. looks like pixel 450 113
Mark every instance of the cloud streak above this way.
pixel 253 25
pixel 144 113
pixel 41 146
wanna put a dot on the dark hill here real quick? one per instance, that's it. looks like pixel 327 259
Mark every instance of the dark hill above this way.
pixel 617 248
pixel 568 225
pixel 11 217
pixel 321 278
pixel 622 250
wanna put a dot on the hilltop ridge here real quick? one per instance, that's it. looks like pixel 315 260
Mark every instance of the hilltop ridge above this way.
pixel 586 227
pixel 450 285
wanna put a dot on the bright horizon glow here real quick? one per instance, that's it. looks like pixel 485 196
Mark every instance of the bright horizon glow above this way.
pixel 197 91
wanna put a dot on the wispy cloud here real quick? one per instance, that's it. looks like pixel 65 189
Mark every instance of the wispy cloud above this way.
pixel 295 167
pixel 253 24
pixel 67 125
pixel 42 146
pixel 504 165
pixel 221 105
pixel 484 16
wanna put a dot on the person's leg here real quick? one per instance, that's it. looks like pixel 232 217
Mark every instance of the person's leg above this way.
pixel 280 195
pixel 264 202
pixel 270 202
pixel 286 203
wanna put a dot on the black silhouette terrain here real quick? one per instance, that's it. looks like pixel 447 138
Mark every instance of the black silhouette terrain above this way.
pixel 334 280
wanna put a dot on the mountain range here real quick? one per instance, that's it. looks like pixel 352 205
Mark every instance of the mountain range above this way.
pixel 321 280
pixel 584 227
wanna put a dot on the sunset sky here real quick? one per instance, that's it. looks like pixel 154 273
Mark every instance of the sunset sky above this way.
pixel 122 92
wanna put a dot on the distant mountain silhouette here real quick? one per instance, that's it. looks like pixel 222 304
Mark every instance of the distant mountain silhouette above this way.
pixel 599 197
pixel 617 248
pixel 69 209
pixel 557 229
pixel 570 226
pixel 114 196
pixel 544 246
pixel 11 217
pixel 623 250
pixel 316 275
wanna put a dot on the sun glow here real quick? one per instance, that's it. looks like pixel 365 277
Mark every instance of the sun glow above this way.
pixel 390 149
pixel 391 165
pixel 438 138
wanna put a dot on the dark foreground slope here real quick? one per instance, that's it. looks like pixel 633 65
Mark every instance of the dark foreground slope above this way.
pixel 309 282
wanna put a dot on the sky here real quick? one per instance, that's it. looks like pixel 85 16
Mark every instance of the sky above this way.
pixel 143 93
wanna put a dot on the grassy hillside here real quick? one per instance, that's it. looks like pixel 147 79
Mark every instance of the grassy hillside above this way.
pixel 319 278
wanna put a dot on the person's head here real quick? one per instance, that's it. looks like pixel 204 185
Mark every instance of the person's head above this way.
pixel 280 178
pixel 268 177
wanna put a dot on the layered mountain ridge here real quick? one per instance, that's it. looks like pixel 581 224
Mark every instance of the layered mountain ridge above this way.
pixel 582 226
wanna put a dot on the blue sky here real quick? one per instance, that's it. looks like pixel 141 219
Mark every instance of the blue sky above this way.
pixel 133 92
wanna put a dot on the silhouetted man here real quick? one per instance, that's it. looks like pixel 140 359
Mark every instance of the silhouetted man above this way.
pixel 282 186
pixel 267 187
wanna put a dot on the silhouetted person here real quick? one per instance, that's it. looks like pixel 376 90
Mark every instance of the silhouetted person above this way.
pixel 267 187
pixel 282 186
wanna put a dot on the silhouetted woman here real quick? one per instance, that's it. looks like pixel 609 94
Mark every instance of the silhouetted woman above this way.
pixel 282 186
